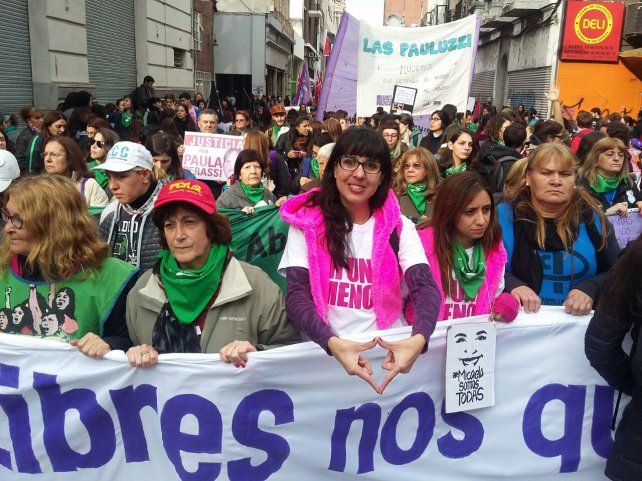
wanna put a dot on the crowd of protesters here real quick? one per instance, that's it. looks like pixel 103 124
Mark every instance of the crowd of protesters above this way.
pixel 112 244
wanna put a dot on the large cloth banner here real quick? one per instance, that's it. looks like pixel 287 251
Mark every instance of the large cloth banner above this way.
pixel 437 61
pixel 259 239
pixel 367 61
pixel 294 414
pixel 211 156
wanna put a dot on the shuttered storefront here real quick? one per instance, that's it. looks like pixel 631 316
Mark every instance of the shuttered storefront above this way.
pixel 111 48
pixel 528 87
pixel 483 86
pixel 16 90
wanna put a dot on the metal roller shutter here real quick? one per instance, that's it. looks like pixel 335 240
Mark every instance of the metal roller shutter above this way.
pixel 483 86
pixel 16 90
pixel 111 48
pixel 528 87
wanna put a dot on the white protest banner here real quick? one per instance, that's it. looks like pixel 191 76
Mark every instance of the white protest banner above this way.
pixel 627 228
pixel 294 414
pixel 436 60
pixel 470 366
pixel 211 156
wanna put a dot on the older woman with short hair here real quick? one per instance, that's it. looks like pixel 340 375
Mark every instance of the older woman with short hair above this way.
pixel 183 303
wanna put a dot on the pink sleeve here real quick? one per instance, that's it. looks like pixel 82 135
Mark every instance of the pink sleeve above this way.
pixel 507 306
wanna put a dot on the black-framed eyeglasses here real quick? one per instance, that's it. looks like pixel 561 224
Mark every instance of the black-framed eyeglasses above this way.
pixel 99 143
pixel 15 219
pixel 351 163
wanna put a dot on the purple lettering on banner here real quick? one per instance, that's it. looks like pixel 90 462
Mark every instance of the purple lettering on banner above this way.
pixel 245 427
pixel 392 453
pixel 370 416
pixel 17 411
pixel 366 297
pixel 568 447
pixel 96 420
pixel 209 439
pixel 342 294
pixel 355 296
pixel 128 403
pixel 473 430
pixel 601 438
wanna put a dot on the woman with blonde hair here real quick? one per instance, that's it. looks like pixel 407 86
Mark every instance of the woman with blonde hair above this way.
pixel 416 183
pixel 56 271
pixel 605 175
pixel 560 246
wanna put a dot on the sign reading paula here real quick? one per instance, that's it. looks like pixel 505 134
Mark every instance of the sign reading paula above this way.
pixel 592 31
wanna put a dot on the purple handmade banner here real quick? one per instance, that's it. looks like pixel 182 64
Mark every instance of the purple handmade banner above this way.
pixel 626 228
pixel 303 91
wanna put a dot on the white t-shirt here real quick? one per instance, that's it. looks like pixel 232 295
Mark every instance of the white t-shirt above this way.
pixel 350 307
pixel 457 306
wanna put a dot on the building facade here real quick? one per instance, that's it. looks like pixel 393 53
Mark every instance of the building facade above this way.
pixel 51 48
pixel 406 13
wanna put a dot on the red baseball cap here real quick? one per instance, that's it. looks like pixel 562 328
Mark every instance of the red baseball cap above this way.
pixel 193 192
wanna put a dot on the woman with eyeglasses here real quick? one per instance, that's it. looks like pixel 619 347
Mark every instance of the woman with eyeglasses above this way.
pixel 605 175
pixel 62 156
pixel 439 120
pixel 349 256
pixel 416 183
pixel 390 132
pixel 242 122
pixel 102 140
pixel 53 125
pixel 56 272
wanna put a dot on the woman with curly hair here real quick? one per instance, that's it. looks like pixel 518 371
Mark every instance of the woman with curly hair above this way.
pixel 51 243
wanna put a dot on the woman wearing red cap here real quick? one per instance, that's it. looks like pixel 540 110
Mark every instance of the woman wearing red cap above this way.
pixel 198 297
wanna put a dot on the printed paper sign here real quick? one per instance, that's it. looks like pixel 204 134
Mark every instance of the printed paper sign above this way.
pixel 211 156
pixel 403 100
pixel 470 366
pixel 627 228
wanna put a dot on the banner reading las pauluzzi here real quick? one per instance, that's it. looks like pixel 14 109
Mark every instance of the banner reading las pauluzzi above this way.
pixel 294 414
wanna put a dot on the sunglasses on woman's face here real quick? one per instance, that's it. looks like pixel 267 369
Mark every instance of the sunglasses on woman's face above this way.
pixel 99 143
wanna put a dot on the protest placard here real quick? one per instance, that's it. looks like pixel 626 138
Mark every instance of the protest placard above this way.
pixel 627 228
pixel 211 156
pixel 403 99
pixel 293 413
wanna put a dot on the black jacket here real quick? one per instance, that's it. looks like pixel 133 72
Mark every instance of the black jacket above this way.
pixel 603 348
pixel 23 144
pixel 620 194
pixel 492 170
pixel 431 142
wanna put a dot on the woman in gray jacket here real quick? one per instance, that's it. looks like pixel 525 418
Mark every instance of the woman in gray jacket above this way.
pixel 198 297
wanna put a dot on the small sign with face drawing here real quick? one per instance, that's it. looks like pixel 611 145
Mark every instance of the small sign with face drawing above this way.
pixel 470 366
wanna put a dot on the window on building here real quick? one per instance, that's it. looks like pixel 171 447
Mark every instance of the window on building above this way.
pixel 179 58
pixel 198 27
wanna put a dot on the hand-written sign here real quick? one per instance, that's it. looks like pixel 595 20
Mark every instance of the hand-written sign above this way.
pixel 470 366
pixel 627 228
pixel 211 156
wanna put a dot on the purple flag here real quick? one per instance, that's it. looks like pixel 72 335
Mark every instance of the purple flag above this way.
pixel 303 91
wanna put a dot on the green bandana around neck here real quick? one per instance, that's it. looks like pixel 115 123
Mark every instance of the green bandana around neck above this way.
pixel 605 185
pixel 99 175
pixel 190 290
pixel 469 279
pixel 126 119
pixel 314 165
pixel 417 194
pixel 456 170
pixel 255 194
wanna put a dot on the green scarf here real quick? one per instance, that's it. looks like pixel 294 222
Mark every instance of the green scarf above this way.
pixel 275 131
pixel 417 194
pixel 456 170
pixel 126 119
pixel 190 290
pixel 604 184
pixel 99 175
pixel 469 279
pixel 255 194
pixel 314 165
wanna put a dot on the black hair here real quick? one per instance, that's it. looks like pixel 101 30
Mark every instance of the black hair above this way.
pixel 337 220
pixel 618 130
pixel 586 144
pixel 515 135
pixel 185 95
pixel 245 156
pixel 322 139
